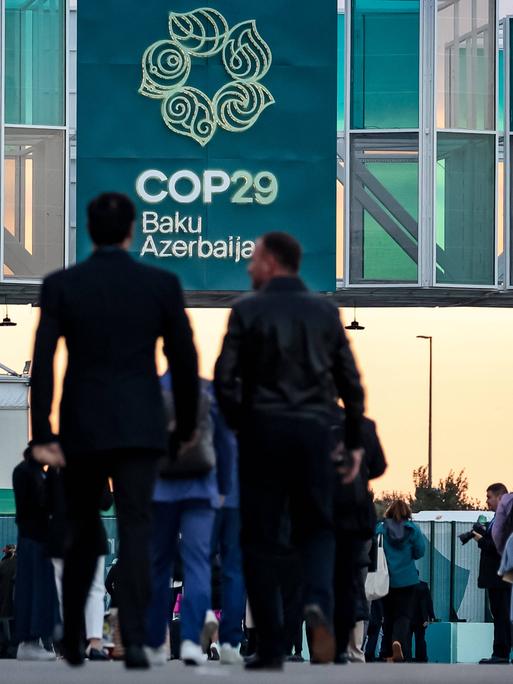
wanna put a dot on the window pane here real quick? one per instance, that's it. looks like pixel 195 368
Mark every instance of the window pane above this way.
pixel 34 62
pixel 466 64
pixel 340 71
pixel 384 208
pixel 385 64
pixel 465 209
pixel 501 120
pixel 34 202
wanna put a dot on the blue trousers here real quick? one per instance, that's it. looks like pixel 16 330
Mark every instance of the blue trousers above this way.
pixel 194 520
pixel 226 541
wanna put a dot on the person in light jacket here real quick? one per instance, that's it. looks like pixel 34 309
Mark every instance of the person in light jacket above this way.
pixel 403 544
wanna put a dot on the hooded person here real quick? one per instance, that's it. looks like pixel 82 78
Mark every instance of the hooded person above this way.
pixel 403 544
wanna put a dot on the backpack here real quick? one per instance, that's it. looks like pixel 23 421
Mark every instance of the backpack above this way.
pixel 200 459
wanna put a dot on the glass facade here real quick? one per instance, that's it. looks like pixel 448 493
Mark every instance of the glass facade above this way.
pixel 385 64
pixel 424 187
pixel 465 209
pixel 33 202
pixel 465 72
pixel 34 60
pixel 384 208
pixel 34 139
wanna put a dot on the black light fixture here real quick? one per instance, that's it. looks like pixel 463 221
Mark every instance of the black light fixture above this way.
pixel 7 323
pixel 355 325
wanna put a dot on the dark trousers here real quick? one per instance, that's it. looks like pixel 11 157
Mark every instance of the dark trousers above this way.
pixel 500 600
pixel 226 541
pixel 285 470
pixel 398 607
pixel 375 622
pixel 36 610
pixel 291 587
pixel 349 586
pixel 419 632
pixel 133 474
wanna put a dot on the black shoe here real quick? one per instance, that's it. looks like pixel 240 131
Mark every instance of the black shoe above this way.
pixel 258 663
pixel 494 660
pixel 296 658
pixel 135 658
pixel 321 634
pixel 96 654
pixel 341 659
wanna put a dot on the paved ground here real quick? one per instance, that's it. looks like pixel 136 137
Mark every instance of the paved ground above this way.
pixel 12 672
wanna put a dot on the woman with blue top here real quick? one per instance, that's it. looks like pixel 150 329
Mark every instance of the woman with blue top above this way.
pixel 403 544
pixel 184 511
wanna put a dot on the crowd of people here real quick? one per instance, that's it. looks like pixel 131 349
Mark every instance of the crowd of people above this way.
pixel 261 475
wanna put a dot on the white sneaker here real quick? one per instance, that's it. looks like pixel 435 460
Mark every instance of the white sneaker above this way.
pixel 34 650
pixel 191 653
pixel 156 656
pixel 230 655
pixel 210 627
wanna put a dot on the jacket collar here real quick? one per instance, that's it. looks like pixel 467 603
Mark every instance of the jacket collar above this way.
pixel 284 284
pixel 110 251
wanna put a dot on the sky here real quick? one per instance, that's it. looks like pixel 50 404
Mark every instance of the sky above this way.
pixel 472 384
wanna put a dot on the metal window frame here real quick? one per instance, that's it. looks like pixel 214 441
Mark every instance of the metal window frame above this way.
pixel 494 132
pixel 66 156
pixel 506 37
pixel 2 134
pixel 349 132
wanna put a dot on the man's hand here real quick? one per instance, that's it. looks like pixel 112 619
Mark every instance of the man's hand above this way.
pixel 49 454
pixel 350 472
pixel 477 536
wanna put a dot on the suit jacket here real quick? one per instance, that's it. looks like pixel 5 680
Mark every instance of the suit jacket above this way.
pixel 286 352
pixel 111 310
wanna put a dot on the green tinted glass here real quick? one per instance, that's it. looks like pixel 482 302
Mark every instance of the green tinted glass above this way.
pixel 340 72
pixel 384 208
pixel 501 121
pixel 465 209
pixel 34 62
pixel 385 64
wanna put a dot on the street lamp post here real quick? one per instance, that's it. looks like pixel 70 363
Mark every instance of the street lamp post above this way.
pixel 430 420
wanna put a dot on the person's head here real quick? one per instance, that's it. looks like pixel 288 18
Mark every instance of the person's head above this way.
pixel 276 254
pixel 494 494
pixel 398 511
pixel 111 219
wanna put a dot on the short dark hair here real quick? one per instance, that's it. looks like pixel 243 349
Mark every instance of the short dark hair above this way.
pixel 110 217
pixel 286 249
pixel 498 489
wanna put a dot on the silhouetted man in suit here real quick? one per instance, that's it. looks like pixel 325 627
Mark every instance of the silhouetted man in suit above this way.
pixel 285 360
pixel 111 310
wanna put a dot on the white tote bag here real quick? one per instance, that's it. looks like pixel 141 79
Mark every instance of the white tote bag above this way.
pixel 378 583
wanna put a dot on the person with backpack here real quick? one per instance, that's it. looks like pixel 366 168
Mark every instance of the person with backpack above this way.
pixel 191 487
pixel 403 544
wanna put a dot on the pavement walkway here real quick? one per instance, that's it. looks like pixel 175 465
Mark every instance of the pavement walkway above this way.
pixel 13 672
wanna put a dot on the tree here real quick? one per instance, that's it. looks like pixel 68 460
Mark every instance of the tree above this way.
pixel 451 494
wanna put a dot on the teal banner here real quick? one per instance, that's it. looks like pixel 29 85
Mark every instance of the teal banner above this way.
pixel 220 122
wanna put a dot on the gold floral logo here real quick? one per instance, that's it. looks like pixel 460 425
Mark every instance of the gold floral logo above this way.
pixel 204 33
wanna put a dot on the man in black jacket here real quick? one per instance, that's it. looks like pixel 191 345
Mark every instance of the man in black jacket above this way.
pixel 111 310
pixel 499 592
pixel 285 360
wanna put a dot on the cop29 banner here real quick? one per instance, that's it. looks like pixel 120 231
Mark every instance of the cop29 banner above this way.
pixel 219 121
